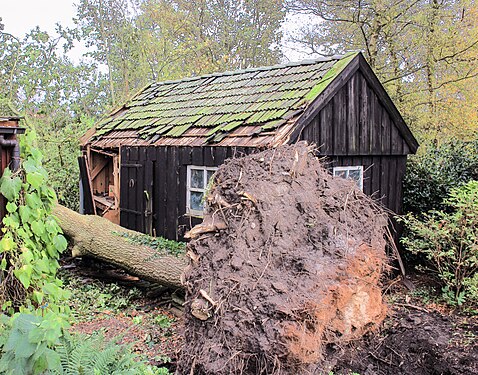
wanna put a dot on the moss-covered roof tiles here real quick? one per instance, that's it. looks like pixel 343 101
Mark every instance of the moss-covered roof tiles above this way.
pixel 256 101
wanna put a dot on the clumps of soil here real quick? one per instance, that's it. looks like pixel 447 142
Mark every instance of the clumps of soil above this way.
pixel 287 260
pixel 414 339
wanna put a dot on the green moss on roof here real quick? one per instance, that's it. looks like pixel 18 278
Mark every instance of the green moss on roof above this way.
pixel 333 72
pixel 266 97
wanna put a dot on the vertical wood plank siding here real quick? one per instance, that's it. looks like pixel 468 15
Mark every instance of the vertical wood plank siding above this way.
pixel 383 176
pixel 162 173
pixel 354 122
pixel 354 128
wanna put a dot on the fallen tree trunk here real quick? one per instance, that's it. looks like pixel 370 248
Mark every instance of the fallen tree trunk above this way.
pixel 99 238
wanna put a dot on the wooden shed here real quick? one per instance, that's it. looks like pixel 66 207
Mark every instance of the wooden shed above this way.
pixel 147 164
pixel 9 147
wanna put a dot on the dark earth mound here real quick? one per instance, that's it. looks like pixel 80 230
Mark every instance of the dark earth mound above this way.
pixel 414 339
pixel 287 261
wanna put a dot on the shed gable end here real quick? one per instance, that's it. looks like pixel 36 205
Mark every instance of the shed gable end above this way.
pixel 355 121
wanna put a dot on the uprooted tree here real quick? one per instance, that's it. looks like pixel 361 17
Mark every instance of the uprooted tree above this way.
pixel 97 237
pixel 287 260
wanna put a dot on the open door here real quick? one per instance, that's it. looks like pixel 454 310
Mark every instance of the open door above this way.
pixel 99 171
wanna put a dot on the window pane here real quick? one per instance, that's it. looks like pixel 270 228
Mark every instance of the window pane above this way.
pixel 340 173
pixel 209 175
pixel 197 178
pixel 355 175
pixel 195 202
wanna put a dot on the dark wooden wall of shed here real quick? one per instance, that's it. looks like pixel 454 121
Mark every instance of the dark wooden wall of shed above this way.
pixel 383 176
pixel 153 186
pixel 354 128
pixel 354 122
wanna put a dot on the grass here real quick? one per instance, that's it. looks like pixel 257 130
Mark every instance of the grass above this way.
pixel 93 297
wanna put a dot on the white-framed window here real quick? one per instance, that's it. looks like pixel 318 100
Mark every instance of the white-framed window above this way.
pixel 197 182
pixel 352 172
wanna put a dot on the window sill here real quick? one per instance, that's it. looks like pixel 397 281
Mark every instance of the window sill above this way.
pixel 196 215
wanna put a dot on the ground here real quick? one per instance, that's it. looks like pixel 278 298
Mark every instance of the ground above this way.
pixel 130 311
pixel 419 335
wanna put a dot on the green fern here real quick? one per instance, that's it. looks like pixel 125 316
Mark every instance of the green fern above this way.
pixel 92 355
pixel 70 354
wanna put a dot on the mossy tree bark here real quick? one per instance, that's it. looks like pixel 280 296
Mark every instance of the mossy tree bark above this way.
pixel 95 236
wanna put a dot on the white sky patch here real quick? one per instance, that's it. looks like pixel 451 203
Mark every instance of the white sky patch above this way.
pixel 291 27
pixel 21 16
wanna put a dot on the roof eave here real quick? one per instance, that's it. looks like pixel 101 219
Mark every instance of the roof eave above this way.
pixel 10 118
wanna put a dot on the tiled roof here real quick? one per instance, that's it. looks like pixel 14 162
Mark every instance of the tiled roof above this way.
pixel 253 107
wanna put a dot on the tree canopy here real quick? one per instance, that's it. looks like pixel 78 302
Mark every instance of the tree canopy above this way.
pixel 424 51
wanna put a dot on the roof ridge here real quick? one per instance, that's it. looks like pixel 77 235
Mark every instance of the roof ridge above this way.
pixel 291 64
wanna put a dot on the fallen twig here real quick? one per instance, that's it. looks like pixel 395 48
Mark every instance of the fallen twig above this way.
pixel 413 307
pixel 381 359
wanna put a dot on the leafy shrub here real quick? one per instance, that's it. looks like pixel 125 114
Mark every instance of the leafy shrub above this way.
pixel 32 240
pixel 26 342
pixel 34 339
pixel 60 146
pixel 435 171
pixel 449 241
pixel 26 350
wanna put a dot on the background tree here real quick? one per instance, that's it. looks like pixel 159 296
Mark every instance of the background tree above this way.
pixel 144 40
pixel 107 28
pixel 424 51
pixel 56 97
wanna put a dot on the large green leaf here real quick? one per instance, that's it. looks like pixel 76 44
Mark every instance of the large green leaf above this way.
pixel 24 274
pixel 25 213
pixel 30 165
pixel 60 242
pixel 32 200
pixel 6 243
pixel 35 179
pixel 38 228
pixel 11 207
pixel 10 186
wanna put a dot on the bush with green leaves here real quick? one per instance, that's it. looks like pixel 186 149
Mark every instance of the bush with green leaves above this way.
pixel 32 241
pixel 60 145
pixel 436 170
pixel 35 316
pixel 30 248
pixel 26 350
pixel 449 241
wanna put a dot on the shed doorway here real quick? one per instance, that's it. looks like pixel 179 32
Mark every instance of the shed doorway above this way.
pixel 99 170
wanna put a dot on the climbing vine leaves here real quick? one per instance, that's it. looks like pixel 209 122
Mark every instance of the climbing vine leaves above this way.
pixel 32 240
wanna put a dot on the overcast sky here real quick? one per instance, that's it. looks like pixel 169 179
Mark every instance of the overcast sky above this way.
pixel 20 16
